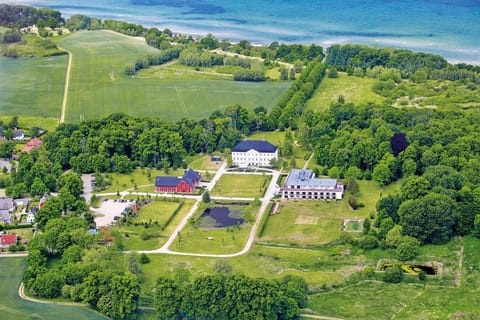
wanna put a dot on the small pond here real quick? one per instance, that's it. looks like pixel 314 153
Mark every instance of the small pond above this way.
pixel 414 268
pixel 220 217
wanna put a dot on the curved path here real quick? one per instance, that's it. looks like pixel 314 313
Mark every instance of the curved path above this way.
pixel 67 84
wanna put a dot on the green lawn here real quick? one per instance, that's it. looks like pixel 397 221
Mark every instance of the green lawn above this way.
pixel 311 222
pixel 14 308
pixel 99 86
pixel 377 300
pixel 32 87
pixel 138 177
pixel 241 185
pixel 160 211
pixel 353 89
pixel 204 163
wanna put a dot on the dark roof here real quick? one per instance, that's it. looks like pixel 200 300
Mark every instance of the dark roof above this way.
pixel 18 133
pixel 167 181
pixel 191 176
pixel 6 203
pixel 258 145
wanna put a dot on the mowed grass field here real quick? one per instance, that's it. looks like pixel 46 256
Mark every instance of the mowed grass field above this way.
pixel 308 222
pixel 99 86
pixel 32 87
pixel 353 89
pixel 241 185
pixel 14 308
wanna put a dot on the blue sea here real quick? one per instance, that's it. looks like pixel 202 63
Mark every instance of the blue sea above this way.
pixel 450 28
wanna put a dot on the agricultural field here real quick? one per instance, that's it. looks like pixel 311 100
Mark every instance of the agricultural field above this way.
pixel 32 87
pixel 99 86
pixel 244 186
pixel 353 89
pixel 15 308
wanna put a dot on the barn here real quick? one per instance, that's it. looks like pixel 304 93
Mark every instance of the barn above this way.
pixel 185 184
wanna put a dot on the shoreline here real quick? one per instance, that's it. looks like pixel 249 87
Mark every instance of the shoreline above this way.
pixel 455 48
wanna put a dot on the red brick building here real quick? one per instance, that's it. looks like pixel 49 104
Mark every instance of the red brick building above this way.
pixel 185 184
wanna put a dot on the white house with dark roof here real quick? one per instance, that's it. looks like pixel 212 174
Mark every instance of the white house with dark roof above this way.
pixel 302 184
pixel 254 153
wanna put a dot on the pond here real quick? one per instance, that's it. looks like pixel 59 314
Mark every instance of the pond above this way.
pixel 414 268
pixel 220 217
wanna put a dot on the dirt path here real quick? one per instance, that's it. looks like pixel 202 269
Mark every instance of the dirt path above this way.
pixel 314 316
pixel 67 84
pixel 231 54
pixel 21 294
pixel 458 276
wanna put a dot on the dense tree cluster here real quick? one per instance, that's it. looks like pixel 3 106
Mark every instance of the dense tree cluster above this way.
pixel 291 105
pixel 196 57
pixel 230 297
pixel 19 16
pixel 249 75
pixel 153 60
pixel 130 29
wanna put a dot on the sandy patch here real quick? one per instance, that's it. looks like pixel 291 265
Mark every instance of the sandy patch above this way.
pixel 302 219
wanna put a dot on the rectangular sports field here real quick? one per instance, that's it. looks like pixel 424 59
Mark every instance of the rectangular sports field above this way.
pixel 99 86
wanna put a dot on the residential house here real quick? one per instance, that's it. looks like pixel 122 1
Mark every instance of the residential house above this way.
pixel 7 240
pixel 302 184
pixel 18 135
pixel 254 153
pixel 31 215
pixel 7 206
pixel 184 184
pixel 34 143
pixel 44 199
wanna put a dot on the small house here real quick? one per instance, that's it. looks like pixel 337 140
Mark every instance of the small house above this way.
pixel 8 240
pixel 34 143
pixel 7 206
pixel 18 135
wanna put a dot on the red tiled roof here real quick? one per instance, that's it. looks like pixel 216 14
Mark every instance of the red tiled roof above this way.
pixel 9 239
pixel 33 143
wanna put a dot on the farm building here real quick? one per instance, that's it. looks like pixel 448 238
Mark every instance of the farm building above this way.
pixel 254 153
pixel 302 184
pixel 34 143
pixel 185 184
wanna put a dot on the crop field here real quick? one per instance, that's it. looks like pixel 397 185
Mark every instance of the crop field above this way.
pixel 353 89
pixel 99 86
pixel 14 308
pixel 245 186
pixel 32 87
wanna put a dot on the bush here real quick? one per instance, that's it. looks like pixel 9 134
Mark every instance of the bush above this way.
pixel 422 275
pixel 368 242
pixel 393 274
pixel 144 258
pixel 407 249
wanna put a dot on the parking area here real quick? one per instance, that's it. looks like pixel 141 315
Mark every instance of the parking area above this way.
pixel 109 211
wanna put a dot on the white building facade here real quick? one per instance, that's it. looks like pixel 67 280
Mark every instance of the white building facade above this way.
pixel 254 153
pixel 302 184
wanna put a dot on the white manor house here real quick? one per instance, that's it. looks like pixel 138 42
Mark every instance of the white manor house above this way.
pixel 302 184
pixel 254 153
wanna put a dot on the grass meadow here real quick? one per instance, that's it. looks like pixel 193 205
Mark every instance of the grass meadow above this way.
pixel 319 222
pixel 160 211
pixel 14 308
pixel 353 89
pixel 244 186
pixel 99 86
pixel 32 87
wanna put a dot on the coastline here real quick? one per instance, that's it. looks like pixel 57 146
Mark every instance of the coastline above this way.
pixel 422 27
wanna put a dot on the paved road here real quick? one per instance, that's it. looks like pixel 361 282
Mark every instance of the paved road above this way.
pixel 269 194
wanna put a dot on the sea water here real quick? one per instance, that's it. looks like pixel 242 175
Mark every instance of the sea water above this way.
pixel 450 28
